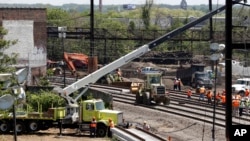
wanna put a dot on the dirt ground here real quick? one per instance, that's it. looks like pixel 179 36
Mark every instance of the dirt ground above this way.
pixel 52 135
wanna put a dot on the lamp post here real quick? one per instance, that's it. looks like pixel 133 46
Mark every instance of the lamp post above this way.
pixel 62 35
pixel 216 49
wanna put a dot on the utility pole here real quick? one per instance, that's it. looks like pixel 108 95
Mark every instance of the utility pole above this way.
pixel 228 71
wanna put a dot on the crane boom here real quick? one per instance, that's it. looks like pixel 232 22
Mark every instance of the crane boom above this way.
pixel 93 77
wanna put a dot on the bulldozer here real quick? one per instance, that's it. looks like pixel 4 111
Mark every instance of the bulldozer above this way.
pixel 151 90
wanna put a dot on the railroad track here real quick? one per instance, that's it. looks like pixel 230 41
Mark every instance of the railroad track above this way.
pixel 179 105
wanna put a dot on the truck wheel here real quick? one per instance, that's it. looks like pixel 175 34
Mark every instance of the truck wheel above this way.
pixel 33 126
pixel 146 98
pixel 20 127
pixel 4 127
pixel 101 131
pixel 157 101
pixel 166 101
pixel 138 98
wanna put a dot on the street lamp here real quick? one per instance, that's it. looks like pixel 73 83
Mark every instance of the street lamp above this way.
pixel 216 49
pixel 62 35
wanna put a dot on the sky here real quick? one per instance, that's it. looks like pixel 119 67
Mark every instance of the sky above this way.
pixel 109 2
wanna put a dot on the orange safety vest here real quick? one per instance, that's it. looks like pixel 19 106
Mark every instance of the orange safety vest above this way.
pixel 223 99
pixel 218 96
pixel 209 94
pixel 236 103
pixel 93 124
pixel 247 93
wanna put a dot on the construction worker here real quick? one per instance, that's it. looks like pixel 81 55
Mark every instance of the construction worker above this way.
pixel 176 84
pixel 93 126
pixel 209 97
pixel 202 92
pixel 124 124
pixel 235 104
pixel 218 98
pixel 247 105
pixel 179 84
pixel 223 99
pixel 189 93
pixel 247 92
pixel 145 126
pixel 238 96
pixel 110 125
pixel 242 105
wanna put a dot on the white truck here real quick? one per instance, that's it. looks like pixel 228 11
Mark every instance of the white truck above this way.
pixel 241 85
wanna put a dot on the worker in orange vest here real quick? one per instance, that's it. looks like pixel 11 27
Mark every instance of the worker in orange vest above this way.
pixel 189 93
pixel 93 126
pixel 223 99
pixel 218 98
pixel 247 92
pixel 238 96
pixel 209 97
pixel 110 125
pixel 235 104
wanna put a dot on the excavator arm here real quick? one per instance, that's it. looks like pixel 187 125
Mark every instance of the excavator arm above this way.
pixel 69 58
pixel 93 77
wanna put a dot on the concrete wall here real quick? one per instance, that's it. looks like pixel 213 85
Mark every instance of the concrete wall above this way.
pixel 28 26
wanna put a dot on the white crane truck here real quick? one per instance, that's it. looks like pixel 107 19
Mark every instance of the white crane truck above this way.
pixel 78 114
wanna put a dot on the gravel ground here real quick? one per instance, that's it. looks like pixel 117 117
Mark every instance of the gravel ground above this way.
pixel 166 125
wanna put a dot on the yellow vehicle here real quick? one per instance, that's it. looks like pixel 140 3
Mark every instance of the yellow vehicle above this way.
pixel 151 90
pixel 76 115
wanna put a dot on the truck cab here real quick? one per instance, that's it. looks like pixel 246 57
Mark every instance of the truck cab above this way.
pixel 95 108
pixel 202 79
pixel 240 85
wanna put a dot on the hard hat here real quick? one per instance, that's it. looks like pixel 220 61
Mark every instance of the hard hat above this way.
pixel 110 119
pixel 93 117
pixel 145 121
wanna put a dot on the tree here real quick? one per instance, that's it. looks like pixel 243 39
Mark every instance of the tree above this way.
pixel 6 60
pixel 58 17
pixel 146 13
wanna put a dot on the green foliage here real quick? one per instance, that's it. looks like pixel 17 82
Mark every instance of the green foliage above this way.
pixel 44 81
pixel 58 17
pixel 6 60
pixel 146 13
pixel 43 100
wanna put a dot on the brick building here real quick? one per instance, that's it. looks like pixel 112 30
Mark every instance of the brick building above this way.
pixel 28 27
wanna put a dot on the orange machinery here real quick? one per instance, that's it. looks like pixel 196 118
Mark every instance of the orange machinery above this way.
pixel 70 58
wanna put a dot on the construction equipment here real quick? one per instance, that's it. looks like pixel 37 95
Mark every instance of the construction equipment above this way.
pixel 151 90
pixel 195 76
pixel 93 77
pixel 75 60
